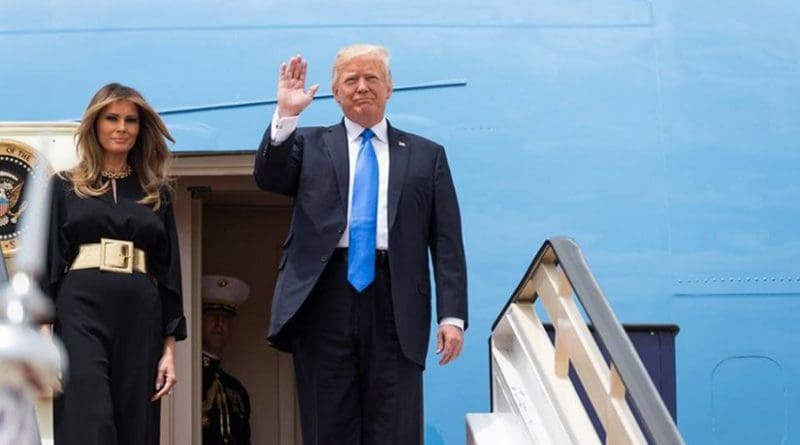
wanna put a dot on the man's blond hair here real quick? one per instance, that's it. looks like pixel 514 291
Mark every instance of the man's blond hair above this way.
pixel 359 50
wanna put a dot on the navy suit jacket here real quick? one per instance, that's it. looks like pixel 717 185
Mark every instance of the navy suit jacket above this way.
pixel 312 166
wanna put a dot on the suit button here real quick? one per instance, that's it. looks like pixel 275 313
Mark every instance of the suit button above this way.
pixel 324 259
pixel 341 230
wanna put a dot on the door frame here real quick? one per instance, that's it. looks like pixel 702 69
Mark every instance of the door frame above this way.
pixel 196 173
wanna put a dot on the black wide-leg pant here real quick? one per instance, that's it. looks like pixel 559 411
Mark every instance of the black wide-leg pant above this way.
pixel 354 384
pixel 111 327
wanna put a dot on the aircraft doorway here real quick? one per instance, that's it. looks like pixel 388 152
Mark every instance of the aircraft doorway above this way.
pixel 241 237
pixel 229 227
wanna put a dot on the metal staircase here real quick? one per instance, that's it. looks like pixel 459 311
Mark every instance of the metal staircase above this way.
pixel 533 398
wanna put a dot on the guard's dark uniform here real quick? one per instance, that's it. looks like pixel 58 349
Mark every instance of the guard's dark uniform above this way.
pixel 226 407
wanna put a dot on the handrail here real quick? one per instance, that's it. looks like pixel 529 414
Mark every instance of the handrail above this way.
pixel 558 271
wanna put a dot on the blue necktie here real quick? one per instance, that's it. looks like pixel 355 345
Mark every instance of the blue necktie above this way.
pixel 363 216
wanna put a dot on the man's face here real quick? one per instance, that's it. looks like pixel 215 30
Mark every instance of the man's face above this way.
pixel 362 90
pixel 216 330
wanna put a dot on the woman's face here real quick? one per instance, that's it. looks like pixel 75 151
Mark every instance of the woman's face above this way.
pixel 118 126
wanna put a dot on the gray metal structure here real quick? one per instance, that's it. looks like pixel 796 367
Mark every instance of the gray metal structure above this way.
pixel 30 363
pixel 544 408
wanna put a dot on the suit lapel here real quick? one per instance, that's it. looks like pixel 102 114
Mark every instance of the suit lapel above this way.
pixel 336 144
pixel 398 163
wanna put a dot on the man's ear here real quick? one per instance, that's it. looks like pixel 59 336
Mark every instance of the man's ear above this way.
pixel 335 92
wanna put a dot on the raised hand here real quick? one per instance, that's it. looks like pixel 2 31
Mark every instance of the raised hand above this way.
pixel 293 97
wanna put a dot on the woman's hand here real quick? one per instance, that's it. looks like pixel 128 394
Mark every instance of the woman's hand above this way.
pixel 165 380
pixel 56 385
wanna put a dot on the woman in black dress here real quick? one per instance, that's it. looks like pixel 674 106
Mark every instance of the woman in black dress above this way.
pixel 114 273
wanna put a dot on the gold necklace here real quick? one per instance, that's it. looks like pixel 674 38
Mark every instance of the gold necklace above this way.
pixel 117 175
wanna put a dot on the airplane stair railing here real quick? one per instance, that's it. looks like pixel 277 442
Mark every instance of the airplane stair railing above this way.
pixel 533 398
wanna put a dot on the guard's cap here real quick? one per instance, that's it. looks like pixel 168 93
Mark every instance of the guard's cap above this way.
pixel 223 293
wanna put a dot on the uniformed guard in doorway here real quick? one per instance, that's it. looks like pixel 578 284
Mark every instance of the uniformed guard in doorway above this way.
pixel 226 405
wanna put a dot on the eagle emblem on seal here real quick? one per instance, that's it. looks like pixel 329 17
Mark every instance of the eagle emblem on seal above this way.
pixel 9 198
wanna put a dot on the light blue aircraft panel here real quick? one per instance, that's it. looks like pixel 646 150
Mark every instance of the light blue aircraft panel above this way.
pixel 662 136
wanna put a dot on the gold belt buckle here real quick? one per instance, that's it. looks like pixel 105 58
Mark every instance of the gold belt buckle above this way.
pixel 116 255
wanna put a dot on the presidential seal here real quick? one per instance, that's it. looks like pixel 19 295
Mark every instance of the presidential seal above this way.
pixel 17 162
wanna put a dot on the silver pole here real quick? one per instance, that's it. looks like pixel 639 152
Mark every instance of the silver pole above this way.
pixel 30 364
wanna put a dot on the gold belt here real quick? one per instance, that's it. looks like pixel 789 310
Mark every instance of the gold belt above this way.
pixel 110 255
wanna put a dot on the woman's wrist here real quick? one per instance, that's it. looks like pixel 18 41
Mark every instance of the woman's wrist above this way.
pixel 169 344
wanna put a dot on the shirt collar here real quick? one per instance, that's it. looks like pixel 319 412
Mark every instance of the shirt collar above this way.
pixel 381 130
pixel 211 356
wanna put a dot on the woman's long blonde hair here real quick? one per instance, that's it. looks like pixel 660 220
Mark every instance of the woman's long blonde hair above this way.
pixel 149 156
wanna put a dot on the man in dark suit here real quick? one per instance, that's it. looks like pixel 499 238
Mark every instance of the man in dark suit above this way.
pixel 353 296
